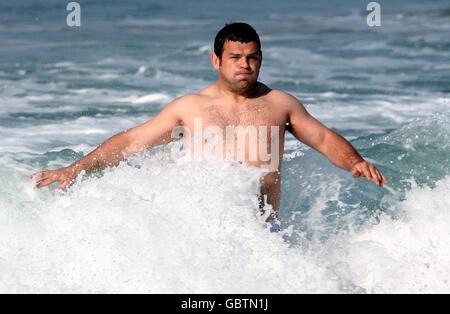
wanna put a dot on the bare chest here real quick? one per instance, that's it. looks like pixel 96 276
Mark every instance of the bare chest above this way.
pixel 254 133
pixel 253 114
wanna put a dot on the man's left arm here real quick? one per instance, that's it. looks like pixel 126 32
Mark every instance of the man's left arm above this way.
pixel 336 148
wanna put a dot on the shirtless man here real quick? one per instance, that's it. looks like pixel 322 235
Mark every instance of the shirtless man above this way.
pixel 235 99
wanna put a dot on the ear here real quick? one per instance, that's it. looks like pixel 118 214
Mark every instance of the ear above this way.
pixel 215 61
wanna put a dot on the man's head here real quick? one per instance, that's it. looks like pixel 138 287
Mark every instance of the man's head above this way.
pixel 237 56
pixel 241 32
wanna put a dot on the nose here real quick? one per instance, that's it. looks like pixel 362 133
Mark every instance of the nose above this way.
pixel 244 63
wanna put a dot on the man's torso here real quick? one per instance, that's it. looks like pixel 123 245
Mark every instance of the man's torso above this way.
pixel 256 125
pixel 252 131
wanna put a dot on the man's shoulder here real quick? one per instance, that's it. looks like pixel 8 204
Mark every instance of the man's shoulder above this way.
pixel 282 99
pixel 187 100
pixel 277 95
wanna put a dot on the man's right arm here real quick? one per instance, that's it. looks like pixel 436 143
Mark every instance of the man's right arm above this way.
pixel 152 133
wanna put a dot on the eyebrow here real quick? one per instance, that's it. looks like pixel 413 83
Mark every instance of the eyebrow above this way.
pixel 238 54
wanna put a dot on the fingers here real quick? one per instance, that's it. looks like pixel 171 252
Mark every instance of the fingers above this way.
pixel 44 182
pixel 63 184
pixel 44 178
pixel 36 175
pixel 369 171
pixel 40 175
pixel 380 177
pixel 375 176
pixel 366 172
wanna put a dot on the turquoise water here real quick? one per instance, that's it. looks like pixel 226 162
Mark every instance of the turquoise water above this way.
pixel 163 225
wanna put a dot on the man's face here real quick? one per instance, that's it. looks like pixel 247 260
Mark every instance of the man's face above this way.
pixel 239 65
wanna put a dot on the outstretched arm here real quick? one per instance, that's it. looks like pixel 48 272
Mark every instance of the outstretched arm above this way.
pixel 337 149
pixel 154 132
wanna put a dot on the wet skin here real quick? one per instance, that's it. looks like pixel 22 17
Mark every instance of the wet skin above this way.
pixel 235 99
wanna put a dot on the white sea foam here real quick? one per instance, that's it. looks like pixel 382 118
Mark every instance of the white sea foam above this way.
pixel 166 227
pixel 155 97
pixel 169 225
pixel 91 130
pixel 410 254
pixel 173 227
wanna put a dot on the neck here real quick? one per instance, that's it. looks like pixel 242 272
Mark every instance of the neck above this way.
pixel 238 96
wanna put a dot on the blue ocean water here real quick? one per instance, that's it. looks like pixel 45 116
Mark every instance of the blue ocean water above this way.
pixel 160 225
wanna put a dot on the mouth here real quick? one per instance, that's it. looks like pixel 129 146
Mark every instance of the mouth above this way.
pixel 244 75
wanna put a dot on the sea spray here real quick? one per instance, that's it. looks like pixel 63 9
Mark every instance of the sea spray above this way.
pixel 166 226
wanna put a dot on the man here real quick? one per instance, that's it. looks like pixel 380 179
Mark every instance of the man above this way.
pixel 236 101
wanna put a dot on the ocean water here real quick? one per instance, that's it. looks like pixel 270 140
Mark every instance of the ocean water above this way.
pixel 161 224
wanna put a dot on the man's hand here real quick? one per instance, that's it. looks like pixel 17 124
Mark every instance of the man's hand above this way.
pixel 64 176
pixel 365 169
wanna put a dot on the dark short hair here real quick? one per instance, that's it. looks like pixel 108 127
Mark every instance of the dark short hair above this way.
pixel 241 32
